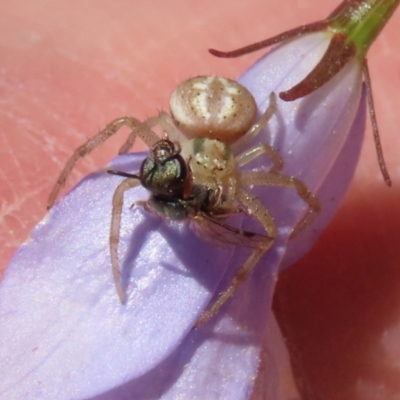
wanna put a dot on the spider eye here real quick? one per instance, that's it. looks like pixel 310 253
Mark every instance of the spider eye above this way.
pixel 213 107
pixel 164 171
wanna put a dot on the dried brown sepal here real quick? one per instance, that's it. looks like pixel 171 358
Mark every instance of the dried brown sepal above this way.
pixel 290 34
pixel 337 55
pixel 374 123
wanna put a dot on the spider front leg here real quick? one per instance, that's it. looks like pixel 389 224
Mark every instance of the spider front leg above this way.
pixel 274 178
pixel 254 207
pixel 166 123
pixel 139 129
pixel 117 203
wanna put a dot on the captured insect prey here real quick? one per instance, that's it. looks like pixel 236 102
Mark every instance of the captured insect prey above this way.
pixel 193 172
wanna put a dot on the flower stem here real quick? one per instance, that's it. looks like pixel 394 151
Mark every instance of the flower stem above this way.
pixel 362 20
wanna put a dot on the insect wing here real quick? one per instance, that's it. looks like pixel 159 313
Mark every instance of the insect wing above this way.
pixel 213 229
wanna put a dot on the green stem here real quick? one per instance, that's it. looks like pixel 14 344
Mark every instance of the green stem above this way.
pixel 362 20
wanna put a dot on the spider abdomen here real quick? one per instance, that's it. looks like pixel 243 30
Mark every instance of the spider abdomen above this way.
pixel 213 107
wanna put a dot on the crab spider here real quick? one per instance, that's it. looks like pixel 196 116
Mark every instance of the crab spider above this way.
pixel 193 172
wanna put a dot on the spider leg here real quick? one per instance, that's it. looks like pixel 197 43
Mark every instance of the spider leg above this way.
pixel 166 123
pixel 117 203
pixel 238 279
pixel 274 178
pixel 256 151
pixel 138 128
pixel 257 126
pixel 256 208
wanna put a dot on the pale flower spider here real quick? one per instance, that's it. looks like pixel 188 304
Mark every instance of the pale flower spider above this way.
pixel 193 171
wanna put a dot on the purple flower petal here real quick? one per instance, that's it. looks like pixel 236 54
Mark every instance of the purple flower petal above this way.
pixel 64 333
pixel 319 136
pixel 58 301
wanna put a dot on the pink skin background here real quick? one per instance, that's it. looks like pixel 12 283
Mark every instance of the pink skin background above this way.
pixel 68 67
